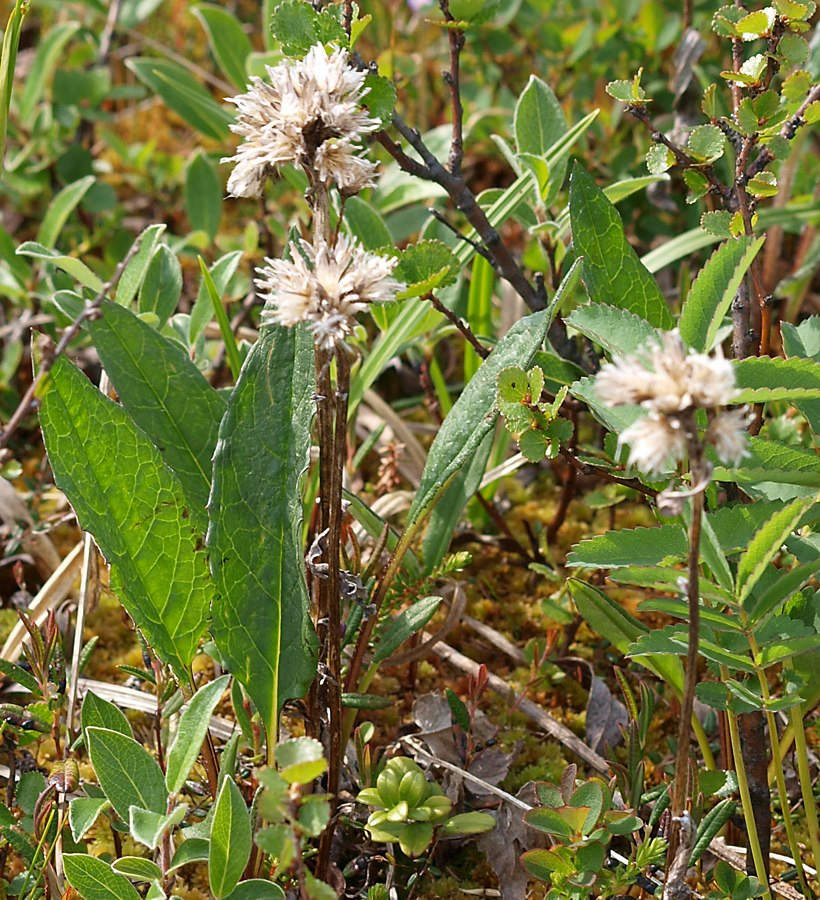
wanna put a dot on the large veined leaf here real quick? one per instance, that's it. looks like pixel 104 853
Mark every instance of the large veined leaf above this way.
pixel 618 331
pixel 612 271
pixel 166 395
pixel 710 296
pixel 761 379
pixel 231 840
pixel 125 495
pixel 472 417
pixel 95 880
pixel 127 772
pixel 261 623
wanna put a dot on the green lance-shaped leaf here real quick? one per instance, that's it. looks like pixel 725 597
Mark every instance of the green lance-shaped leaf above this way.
pixel 766 544
pixel 230 844
pixel 404 626
pixel 472 416
pixel 125 495
pixel 710 296
pixel 94 879
pixel 539 122
pixel 612 271
pixel 261 621
pixel 227 40
pixel 184 95
pixel 761 379
pixel 191 731
pixel 167 397
pixel 127 773
pixel 61 208
pixel 203 195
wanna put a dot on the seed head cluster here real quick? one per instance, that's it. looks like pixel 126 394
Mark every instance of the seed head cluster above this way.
pixel 325 286
pixel 309 113
pixel 670 384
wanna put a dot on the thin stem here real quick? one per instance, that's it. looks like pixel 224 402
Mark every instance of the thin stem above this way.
pixel 804 771
pixel 780 780
pixel 745 796
pixel 459 323
pixel 680 791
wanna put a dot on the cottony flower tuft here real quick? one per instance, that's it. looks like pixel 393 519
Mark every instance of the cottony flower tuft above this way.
pixel 310 114
pixel 671 383
pixel 325 286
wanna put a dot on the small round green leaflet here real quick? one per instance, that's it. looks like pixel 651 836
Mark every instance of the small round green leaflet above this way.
pixel 300 760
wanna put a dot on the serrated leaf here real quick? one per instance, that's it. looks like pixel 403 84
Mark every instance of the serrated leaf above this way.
pixel 403 626
pixel 124 494
pixel 712 293
pixel 706 143
pixel 300 760
pixel 621 629
pixel 764 184
pixel 697 183
pixel 756 24
pixel 759 605
pixel 298 27
pixel 717 223
pixel 190 733
pixel 184 95
pixel 127 773
pixel 471 419
pixel 380 98
pixel 766 544
pixel 230 844
pixel 618 331
pixel 424 267
pixel 612 271
pixel 167 397
pixel 261 623
pixel 770 461
pixel 659 158
pixel 763 379
pixel 94 879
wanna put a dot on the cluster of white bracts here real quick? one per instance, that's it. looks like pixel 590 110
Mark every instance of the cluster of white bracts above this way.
pixel 669 384
pixel 309 113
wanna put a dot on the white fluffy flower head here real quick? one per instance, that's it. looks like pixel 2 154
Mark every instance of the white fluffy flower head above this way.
pixel 671 383
pixel 326 287
pixel 308 113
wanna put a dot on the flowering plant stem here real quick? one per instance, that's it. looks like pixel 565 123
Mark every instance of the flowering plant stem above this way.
pixel 804 771
pixel 680 793
pixel 745 796
pixel 777 758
